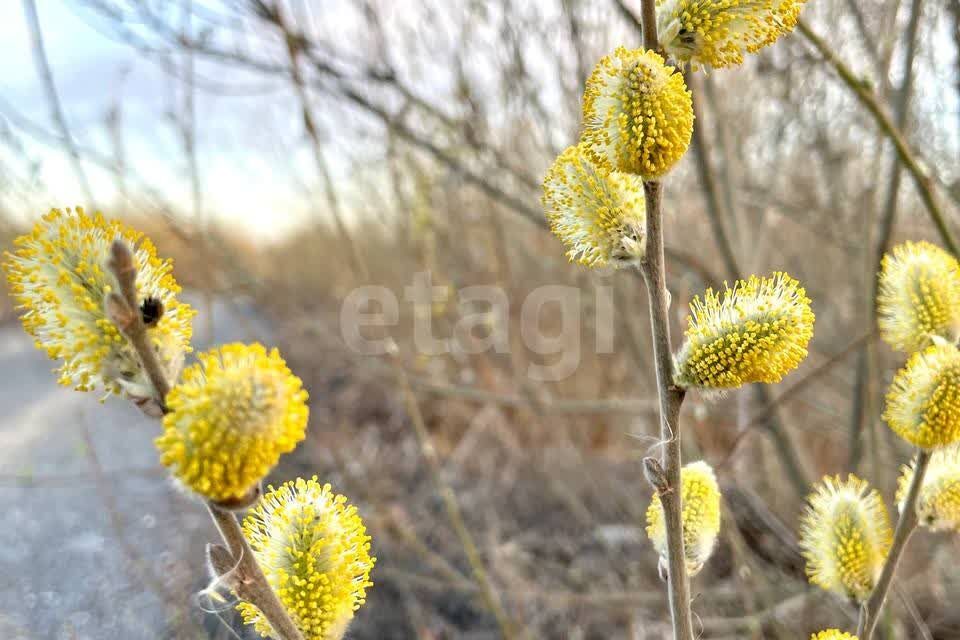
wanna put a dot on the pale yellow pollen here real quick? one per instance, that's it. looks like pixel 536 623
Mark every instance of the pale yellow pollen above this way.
pixel 845 536
pixel 637 113
pixel 315 552
pixel 231 417
pixel 598 214
pixel 757 331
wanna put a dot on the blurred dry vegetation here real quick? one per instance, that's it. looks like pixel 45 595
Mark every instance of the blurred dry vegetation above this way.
pixel 443 116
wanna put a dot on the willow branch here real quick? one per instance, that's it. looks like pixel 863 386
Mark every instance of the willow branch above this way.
pixel 124 311
pixel 671 398
pixel 870 613
pixel 666 478
pixel 248 581
pixel 905 154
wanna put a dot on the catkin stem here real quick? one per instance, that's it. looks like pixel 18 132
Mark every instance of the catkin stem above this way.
pixel 870 612
pixel 670 395
pixel 124 268
pixel 254 587
pixel 671 399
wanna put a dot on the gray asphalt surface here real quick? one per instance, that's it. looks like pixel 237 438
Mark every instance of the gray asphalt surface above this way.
pixel 95 543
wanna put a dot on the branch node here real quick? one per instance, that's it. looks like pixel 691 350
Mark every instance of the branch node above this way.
pixel 655 475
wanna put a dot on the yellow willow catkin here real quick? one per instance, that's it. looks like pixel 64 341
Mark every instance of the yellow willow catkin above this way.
pixel 59 276
pixel 315 552
pixel 845 536
pixel 833 634
pixel 919 296
pixel 230 418
pixel 923 401
pixel 598 214
pixel 637 113
pixel 717 33
pixel 756 331
pixel 700 497
pixel 938 505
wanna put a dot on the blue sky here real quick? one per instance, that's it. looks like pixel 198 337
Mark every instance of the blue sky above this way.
pixel 246 176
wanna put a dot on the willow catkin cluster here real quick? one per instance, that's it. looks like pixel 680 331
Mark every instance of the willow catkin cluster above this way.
pixel 923 401
pixel 637 113
pixel 756 331
pixel 938 505
pixel 717 33
pixel 919 296
pixel 700 499
pixel 230 418
pixel 833 634
pixel 845 536
pixel 598 214
pixel 315 552
pixel 59 276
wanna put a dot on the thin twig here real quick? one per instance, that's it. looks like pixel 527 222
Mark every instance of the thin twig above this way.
pixel 869 100
pixel 797 387
pixel 50 87
pixel 870 613
pixel 922 628
pixel 860 415
pixel 294 46
pixel 671 396
pixel 125 313
pixel 250 583
pixel 487 591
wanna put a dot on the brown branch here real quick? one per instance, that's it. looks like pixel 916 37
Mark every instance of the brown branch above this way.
pixel 870 612
pixel 906 155
pixel 787 395
pixel 671 398
pixel 124 311
pixel 247 578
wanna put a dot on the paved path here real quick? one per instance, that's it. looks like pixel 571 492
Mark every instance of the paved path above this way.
pixel 95 544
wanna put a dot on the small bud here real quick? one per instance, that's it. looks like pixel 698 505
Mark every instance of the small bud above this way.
pixel 122 265
pixel 655 475
pixel 119 312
